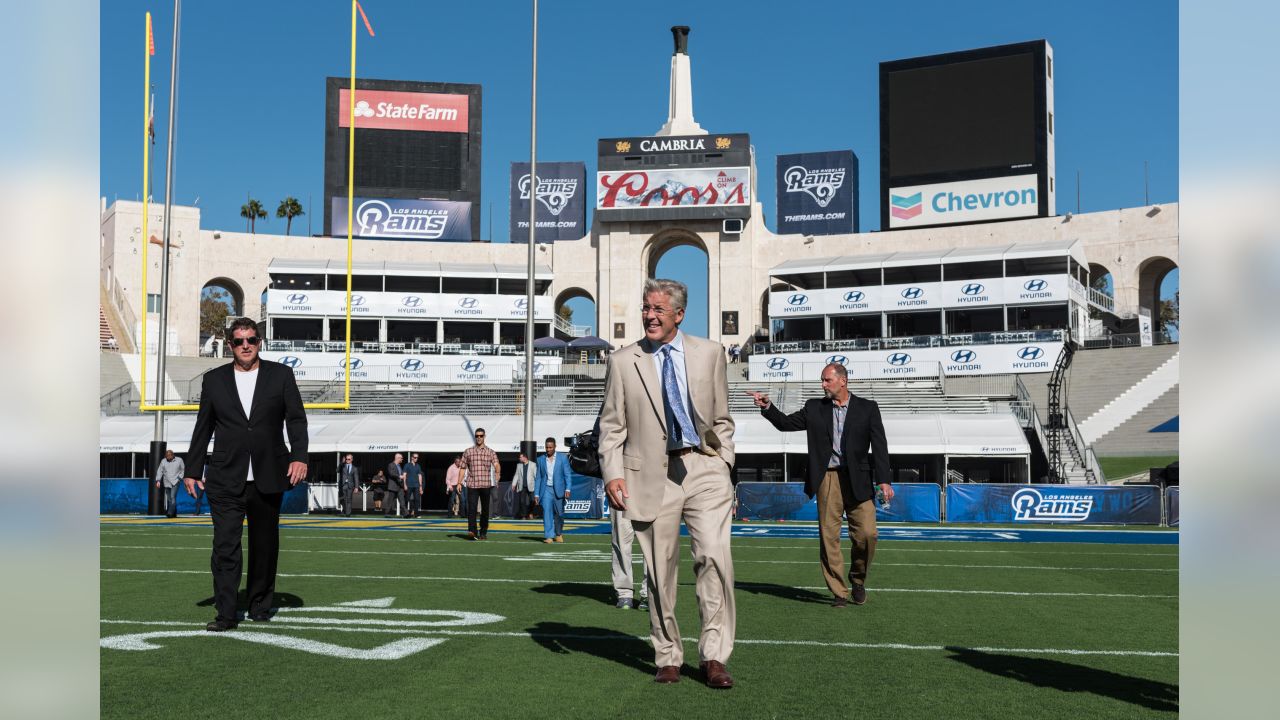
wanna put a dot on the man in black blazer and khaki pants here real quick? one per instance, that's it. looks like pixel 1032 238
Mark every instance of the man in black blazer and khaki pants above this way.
pixel 840 474
pixel 244 405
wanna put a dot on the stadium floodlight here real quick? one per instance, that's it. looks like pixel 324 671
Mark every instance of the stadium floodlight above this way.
pixel 143 405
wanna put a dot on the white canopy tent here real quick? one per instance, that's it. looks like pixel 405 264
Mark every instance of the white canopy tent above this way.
pixel 907 434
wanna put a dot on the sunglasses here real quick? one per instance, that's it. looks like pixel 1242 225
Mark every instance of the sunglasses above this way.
pixel 479 435
pixel 252 340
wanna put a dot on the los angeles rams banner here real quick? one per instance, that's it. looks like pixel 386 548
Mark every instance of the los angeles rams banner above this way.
pixel 128 496
pixel 560 194
pixel 912 502
pixel 1171 497
pixel 818 193
pixel 403 219
pixel 586 496
pixel 1085 505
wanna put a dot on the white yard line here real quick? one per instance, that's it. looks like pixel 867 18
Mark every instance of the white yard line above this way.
pixel 604 558
pixel 279 623
pixel 743 586
pixel 604 539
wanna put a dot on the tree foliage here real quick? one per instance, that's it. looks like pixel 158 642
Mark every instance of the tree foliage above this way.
pixel 215 306
pixel 289 209
pixel 253 211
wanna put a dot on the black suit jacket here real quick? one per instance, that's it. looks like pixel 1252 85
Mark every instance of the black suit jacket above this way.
pixel 344 479
pixel 393 478
pixel 239 440
pixel 863 431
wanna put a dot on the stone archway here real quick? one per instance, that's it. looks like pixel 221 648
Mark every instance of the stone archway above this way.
pixel 1100 277
pixel 220 291
pixel 1151 273
pixel 687 271
pixel 583 304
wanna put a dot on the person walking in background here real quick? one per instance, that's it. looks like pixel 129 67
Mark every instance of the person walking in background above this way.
pixel 348 478
pixel 246 407
pixel 413 486
pixel 453 487
pixel 553 487
pixel 622 537
pixel 666 448
pixel 393 503
pixel 200 493
pixel 379 484
pixel 841 429
pixel 523 486
pixel 482 471
pixel 169 474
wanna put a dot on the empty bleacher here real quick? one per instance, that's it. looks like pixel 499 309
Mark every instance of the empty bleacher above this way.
pixel 1095 381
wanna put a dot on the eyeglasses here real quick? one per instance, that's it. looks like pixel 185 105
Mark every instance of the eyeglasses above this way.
pixel 656 310
pixel 252 340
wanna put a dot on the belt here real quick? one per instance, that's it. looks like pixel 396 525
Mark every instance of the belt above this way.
pixel 683 451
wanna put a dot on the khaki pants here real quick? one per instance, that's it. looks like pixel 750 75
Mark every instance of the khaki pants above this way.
pixel 623 537
pixel 699 491
pixel 832 508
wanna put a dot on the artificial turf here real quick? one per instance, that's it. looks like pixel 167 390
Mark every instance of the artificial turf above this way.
pixel 951 629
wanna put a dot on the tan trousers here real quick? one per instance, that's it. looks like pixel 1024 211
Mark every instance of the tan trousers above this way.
pixel 832 508
pixel 699 491
pixel 623 537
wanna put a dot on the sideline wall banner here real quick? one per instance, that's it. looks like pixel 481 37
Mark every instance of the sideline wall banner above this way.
pixel 1089 505
pixel 585 495
pixel 912 502
pixel 817 193
pixel 1035 357
pixel 128 496
pixel 1171 505
pixel 403 219
pixel 562 201
pixel 377 367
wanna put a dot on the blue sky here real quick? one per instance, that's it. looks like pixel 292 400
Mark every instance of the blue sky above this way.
pixel 797 77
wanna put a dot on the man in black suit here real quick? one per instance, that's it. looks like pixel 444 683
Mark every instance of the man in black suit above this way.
pixel 348 478
pixel 243 407
pixel 841 429
pixel 395 487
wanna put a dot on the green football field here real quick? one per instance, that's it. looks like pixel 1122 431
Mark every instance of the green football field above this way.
pixel 410 620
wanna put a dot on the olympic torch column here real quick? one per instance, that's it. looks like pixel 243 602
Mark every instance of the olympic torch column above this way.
pixel 529 446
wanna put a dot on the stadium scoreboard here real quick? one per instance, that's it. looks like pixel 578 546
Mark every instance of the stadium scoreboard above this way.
pixel 967 137
pixel 417 149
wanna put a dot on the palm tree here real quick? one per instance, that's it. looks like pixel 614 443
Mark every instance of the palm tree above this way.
pixel 253 211
pixel 289 209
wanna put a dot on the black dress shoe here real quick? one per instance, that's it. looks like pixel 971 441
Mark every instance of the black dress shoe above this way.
pixel 859 594
pixel 220 625
pixel 261 617
pixel 839 601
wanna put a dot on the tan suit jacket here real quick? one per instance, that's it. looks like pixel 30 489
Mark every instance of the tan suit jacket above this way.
pixel 633 432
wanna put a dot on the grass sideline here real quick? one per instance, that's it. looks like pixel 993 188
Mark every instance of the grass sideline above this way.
pixel 1119 466
pixel 951 629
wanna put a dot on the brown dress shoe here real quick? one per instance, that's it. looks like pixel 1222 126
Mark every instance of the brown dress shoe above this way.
pixel 717 675
pixel 859 594
pixel 668 674
pixel 840 601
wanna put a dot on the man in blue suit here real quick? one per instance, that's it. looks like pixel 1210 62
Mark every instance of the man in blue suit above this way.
pixel 553 490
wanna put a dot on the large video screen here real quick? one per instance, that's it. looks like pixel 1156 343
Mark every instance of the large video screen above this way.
pixel 964 116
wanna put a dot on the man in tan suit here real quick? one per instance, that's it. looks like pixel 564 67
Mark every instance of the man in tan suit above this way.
pixel 666 446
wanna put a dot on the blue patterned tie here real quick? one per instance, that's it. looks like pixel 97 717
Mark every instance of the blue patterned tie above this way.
pixel 683 426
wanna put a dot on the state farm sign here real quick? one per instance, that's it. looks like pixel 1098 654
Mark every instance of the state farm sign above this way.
pixel 393 110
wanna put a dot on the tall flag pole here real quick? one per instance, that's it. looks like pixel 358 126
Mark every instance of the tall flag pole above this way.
pixel 530 445
pixel 148 49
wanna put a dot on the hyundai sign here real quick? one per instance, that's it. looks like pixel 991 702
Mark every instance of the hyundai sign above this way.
pixel 396 219
pixel 963 202
pixel 818 193
pixel 560 193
